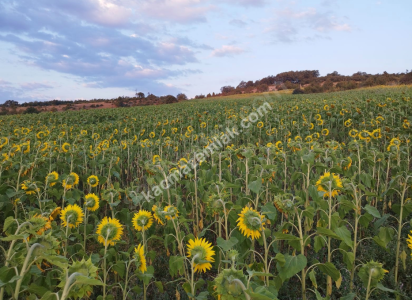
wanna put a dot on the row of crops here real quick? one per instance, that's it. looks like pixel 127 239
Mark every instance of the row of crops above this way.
pixel 271 197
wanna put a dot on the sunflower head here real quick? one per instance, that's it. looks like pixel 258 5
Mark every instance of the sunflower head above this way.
pixel 409 240
pixel 140 258
pixel 376 134
pixel 142 220
pixel 93 180
pixel 30 187
pixel 171 212
pixel 40 224
pixel 158 215
pixel 347 163
pixel 91 201
pixel 325 132
pixel 52 178
pixel 109 231
pixel 201 252
pixel 71 180
pixel 329 181
pixel 348 123
pixel 85 268
pixel 66 147
pixel 364 135
pixel 229 284
pixel 284 204
pixel 374 270
pixel 72 216
pixel 250 223
pixel 353 133
pixel 55 213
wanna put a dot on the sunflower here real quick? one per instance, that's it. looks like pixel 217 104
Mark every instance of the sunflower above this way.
pixel 109 229
pixel 55 213
pixel 140 259
pixel 171 212
pixel 3 142
pixel 40 224
pixel 152 135
pixel 348 123
pixel 318 117
pixel 203 125
pixel 409 241
pixel 325 132
pixel 376 134
pixel 72 216
pixel 319 122
pixel 353 133
pixel 156 214
pixel 298 138
pixel 29 187
pixel 279 145
pixel 5 157
pixel 406 124
pixel 83 132
pixel 259 125
pixel 347 163
pixel 309 139
pixel 91 201
pixel 71 181
pixel 51 178
pixel 395 141
pixel 250 222
pixel 228 284
pixel 323 184
pixel 93 180
pixel 311 126
pixel 200 251
pixel 66 147
pixel 392 148
pixel 364 135
pixel 182 163
pixel 371 273
pixel 45 221
pixel 156 158
pixel 142 220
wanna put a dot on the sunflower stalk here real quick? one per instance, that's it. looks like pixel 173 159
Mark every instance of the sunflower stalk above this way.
pixel 106 243
pixel 24 269
pixel 400 225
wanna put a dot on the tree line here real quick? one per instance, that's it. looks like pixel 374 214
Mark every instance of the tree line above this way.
pixel 310 81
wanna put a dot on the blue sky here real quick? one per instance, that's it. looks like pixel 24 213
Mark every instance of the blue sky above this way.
pixel 69 49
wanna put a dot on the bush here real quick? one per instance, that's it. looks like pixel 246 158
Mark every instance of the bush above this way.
pixel 170 99
pixel 406 79
pixel 31 110
pixel 298 91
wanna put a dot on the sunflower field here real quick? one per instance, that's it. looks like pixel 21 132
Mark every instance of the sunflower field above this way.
pixel 267 197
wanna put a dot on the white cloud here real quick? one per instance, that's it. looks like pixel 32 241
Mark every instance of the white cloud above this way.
pixel 289 23
pixel 227 50
pixel 181 11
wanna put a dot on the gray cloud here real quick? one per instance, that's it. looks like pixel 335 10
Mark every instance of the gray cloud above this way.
pixel 72 37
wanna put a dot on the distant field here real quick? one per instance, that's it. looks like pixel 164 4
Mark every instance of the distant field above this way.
pixel 252 196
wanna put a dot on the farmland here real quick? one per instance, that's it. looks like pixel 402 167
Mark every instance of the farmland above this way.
pixel 269 196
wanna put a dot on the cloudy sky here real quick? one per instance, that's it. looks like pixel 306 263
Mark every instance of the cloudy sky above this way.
pixel 71 49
